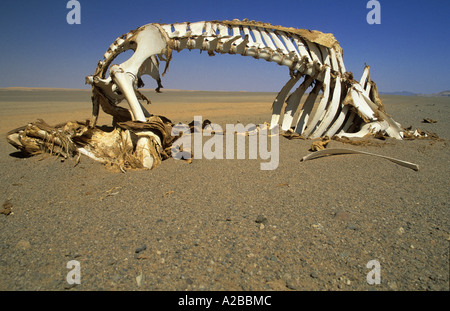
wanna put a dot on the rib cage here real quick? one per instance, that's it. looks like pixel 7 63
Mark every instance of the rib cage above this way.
pixel 336 104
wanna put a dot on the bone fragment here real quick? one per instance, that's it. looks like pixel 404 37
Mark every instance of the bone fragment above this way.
pixel 328 152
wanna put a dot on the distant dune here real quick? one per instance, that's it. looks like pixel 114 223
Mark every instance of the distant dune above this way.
pixel 406 93
pixel 443 93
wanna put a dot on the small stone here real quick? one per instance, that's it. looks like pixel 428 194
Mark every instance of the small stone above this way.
pixel 317 226
pixel 400 230
pixel 6 208
pixel 314 275
pixel 352 227
pixel 261 226
pixel 140 249
pixel 139 279
pixel 290 285
pixel 261 219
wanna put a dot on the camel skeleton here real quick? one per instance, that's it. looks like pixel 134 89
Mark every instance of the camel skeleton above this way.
pixel 344 104
pixel 337 105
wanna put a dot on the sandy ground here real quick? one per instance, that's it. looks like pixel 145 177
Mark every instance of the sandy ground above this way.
pixel 226 224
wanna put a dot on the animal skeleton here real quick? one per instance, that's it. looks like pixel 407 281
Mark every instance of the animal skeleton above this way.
pixel 345 108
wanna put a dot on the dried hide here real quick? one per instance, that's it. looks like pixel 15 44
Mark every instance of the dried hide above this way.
pixel 113 146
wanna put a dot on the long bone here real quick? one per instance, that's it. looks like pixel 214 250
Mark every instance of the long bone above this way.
pixel 345 105
pixel 149 43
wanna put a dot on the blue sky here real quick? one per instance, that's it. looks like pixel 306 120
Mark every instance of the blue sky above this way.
pixel 408 51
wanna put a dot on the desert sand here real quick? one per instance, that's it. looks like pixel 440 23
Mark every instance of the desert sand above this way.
pixel 225 224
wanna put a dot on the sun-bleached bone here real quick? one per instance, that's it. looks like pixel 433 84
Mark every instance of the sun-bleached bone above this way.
pixel 277 41
pixel 305 111
pixel 321 107
pixel 329 152
pixel 315 52
pixel 279 100
pixel 346 106
pixel 292 103
pixel 258 38
pixel 330 111
pixel 289 45
pixel 267 39
pixel 302 48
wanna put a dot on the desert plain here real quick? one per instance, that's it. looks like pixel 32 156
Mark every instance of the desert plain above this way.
pixel 225 224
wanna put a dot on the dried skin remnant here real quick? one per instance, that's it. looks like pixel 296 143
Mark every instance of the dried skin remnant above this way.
pixel 119 147
pixel 337 105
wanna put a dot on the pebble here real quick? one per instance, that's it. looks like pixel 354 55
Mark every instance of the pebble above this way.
pixel 261 219
pixel 314 275
pixel 140 249
pixel 139 279
pixel 317 226
pixel 352 227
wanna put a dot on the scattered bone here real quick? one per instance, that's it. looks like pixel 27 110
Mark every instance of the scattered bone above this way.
pixel 168 193
pixel 328 152
pixel 428 120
